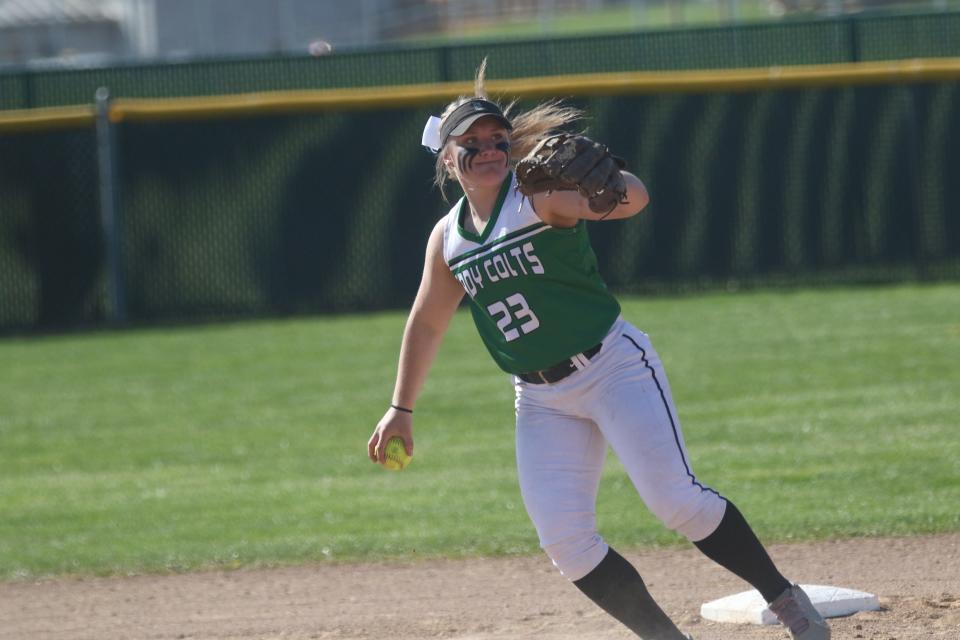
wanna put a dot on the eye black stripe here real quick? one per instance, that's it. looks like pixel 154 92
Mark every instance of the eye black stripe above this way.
pixel 465 158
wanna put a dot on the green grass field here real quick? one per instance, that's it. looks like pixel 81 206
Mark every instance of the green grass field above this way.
pixel 823 413
pixel 642 16
pixel 610 19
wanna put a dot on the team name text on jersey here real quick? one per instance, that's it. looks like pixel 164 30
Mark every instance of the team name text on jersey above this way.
pixel 508 263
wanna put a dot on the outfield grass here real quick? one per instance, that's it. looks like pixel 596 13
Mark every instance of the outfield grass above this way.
pixel 823 413
pixel 604 20
pixel 642 16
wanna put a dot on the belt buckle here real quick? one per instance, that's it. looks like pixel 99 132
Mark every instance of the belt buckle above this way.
pixel 559 371
pixel 533 377
pixel 572 364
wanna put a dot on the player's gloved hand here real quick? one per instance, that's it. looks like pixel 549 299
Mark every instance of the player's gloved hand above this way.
pixel 565 162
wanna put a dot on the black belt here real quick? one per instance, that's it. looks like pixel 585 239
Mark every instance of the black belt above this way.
pixel 559 371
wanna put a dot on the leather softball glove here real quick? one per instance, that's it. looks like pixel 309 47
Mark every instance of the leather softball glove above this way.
pixel 566 162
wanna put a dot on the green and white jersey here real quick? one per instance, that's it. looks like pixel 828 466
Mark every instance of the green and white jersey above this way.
pixel 535 291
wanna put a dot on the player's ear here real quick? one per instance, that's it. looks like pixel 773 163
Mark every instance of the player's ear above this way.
pixel 448 159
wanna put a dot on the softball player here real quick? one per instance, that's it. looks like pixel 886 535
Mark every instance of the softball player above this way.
pixel 585 378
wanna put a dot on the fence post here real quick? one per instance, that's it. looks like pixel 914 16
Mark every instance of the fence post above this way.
pixel 914 178
pixel 109 208
pixel 853 33
pixel 26 85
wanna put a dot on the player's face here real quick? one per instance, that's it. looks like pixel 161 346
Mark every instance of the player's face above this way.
pixel 480 155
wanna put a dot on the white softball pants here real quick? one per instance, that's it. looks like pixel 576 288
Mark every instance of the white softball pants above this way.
pixel 621 399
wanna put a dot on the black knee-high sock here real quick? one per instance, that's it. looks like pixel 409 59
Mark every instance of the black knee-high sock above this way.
pixel 616 587
pixel 735 547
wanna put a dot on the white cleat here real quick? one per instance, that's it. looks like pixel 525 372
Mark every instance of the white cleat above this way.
pixel 794 609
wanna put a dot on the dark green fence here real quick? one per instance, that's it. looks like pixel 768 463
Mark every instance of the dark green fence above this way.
pixel 846 39
pixel 330 212
pixel 51 249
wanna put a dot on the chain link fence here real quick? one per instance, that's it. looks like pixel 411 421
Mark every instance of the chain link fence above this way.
pixel 847 39
pixel 51 245
pixel 330 211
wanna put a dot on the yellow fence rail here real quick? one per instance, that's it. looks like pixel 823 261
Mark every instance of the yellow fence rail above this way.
pixel 700 81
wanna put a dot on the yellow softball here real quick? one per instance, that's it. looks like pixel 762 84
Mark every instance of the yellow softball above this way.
pixel 397 457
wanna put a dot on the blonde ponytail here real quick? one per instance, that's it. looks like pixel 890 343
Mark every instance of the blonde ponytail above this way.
pixel 530 127
pixel 479 90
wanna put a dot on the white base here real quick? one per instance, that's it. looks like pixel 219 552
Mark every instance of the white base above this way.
pixel 749 606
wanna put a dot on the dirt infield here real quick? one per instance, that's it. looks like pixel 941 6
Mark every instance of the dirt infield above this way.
pixel 917 579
